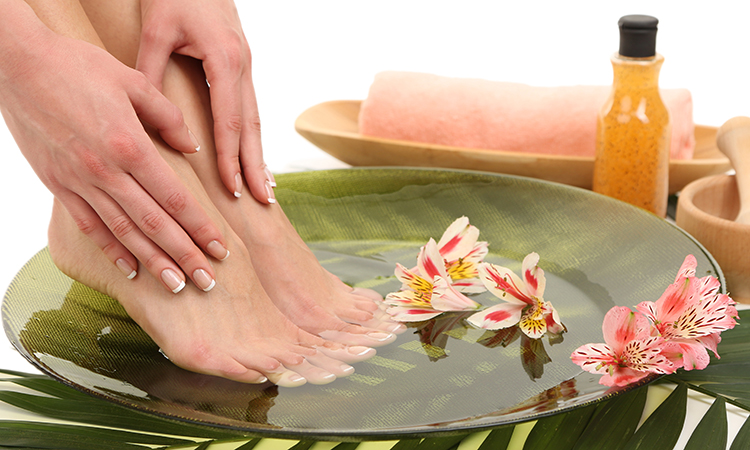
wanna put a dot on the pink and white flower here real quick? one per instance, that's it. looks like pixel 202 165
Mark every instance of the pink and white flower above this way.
pixel 691 313
pixel 629 353
pixel 463 253
pixel 525 302
pixel 426 292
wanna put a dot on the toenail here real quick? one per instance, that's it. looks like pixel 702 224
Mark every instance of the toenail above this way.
pixel 396 327
pixel 218 251
pixel 172 281
pixel 359 350
pixel 380 336
pixel 203 280
pixel 125 268
pixel 296 378
pixel 261 380
pixel 346 369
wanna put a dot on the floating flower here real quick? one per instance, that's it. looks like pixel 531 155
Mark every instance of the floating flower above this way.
pixel 462 255
pixel 426 292
pixel 630 351
pixel 525 303
pixel 691 313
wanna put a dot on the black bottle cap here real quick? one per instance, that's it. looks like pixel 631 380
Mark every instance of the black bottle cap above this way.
pixel 638 36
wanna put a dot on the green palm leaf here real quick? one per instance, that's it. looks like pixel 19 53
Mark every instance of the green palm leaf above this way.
pixel 663 427
pixel 711 432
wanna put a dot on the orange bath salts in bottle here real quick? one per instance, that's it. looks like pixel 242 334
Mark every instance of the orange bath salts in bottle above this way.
pixel 633 127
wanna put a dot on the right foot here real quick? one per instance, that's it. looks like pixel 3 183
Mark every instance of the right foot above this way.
pixel 234 331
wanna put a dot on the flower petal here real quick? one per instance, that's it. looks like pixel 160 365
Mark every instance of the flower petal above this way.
pixel 430 262
pixel 411 280
pixel 469 286
pixel 407 297
pixel 502 315
pixel 505 284
pixel 533 276
pixel 407 314
pixel 621 326
pixel 446 298
pixel 458 239
pixel 594 358
pixel 687 269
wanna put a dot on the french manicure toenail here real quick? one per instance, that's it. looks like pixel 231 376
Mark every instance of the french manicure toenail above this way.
pixel 346 369
pixel 269 192
pixel 396 327
pixel 196 144
pixel 218 251
pixel 359 350
pixel 238 185
pixel 262 380
pixel 173 282
pixel 296 378
pixel 380 336
pixel 203 280
pixel 125 268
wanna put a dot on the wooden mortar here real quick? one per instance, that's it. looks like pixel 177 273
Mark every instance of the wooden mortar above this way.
pixel 706 209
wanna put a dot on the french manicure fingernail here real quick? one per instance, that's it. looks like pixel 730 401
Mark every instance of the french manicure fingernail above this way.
pixel 269 192
pixel 203 280
pixel 196 144
pixel 218 251
pixel 238 185
pixel 125 268
pixel 173 282
pixel 269 177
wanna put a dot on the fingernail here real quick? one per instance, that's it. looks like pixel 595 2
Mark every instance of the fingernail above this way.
pixel 269 177
pixel 173 282
pixel 238 185
pixel 196 144
pixel 269 192
pixel 359 350
pixel 125 268
pixel 380 336
pixel 218 251
pixel 203 280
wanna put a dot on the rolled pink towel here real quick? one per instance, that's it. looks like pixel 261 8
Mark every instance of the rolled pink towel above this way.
pixel 475 113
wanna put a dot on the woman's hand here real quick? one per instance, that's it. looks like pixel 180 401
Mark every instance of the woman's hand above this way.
pixel 76 112
pixel 210 30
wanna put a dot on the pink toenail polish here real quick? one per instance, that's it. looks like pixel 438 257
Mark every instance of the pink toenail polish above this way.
pixel 203 280
pixel 218 251
pixel 125 268
pixel 173 282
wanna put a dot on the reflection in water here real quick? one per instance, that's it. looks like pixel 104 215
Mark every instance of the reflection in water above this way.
pixel 434 335
pixel 93 335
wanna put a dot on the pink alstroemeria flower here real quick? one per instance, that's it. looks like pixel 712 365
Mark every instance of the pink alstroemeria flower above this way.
pixel 525 302
pixel 427 292
pixel 462 255
pixel 691 313
pixel 630 352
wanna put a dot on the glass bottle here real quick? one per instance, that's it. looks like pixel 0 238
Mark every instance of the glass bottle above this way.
pixel 633 127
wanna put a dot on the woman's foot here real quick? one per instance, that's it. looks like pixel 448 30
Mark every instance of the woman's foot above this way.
pixel 233 331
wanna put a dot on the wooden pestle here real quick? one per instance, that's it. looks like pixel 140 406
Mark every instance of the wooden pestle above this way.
pixel 733 139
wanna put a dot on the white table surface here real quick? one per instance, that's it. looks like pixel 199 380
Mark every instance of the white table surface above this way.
pixel 306 52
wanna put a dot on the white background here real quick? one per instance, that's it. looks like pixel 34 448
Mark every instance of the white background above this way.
pixel 307 52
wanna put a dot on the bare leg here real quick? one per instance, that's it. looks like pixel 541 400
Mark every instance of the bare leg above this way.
pixel 234 331
pixel 311 297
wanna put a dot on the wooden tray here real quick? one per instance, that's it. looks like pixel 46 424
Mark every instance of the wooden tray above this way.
pixel 333 127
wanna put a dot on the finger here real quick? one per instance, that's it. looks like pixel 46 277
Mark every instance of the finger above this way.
pixel 259 178
pixel 92 226
pixel 168 190
pixel 155 109
pixel 154 51
pixel 158 226
pixel 125 230
pixel 224 76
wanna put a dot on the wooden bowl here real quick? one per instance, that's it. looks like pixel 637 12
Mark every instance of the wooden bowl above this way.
pixel 333 126
pixel 706 209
